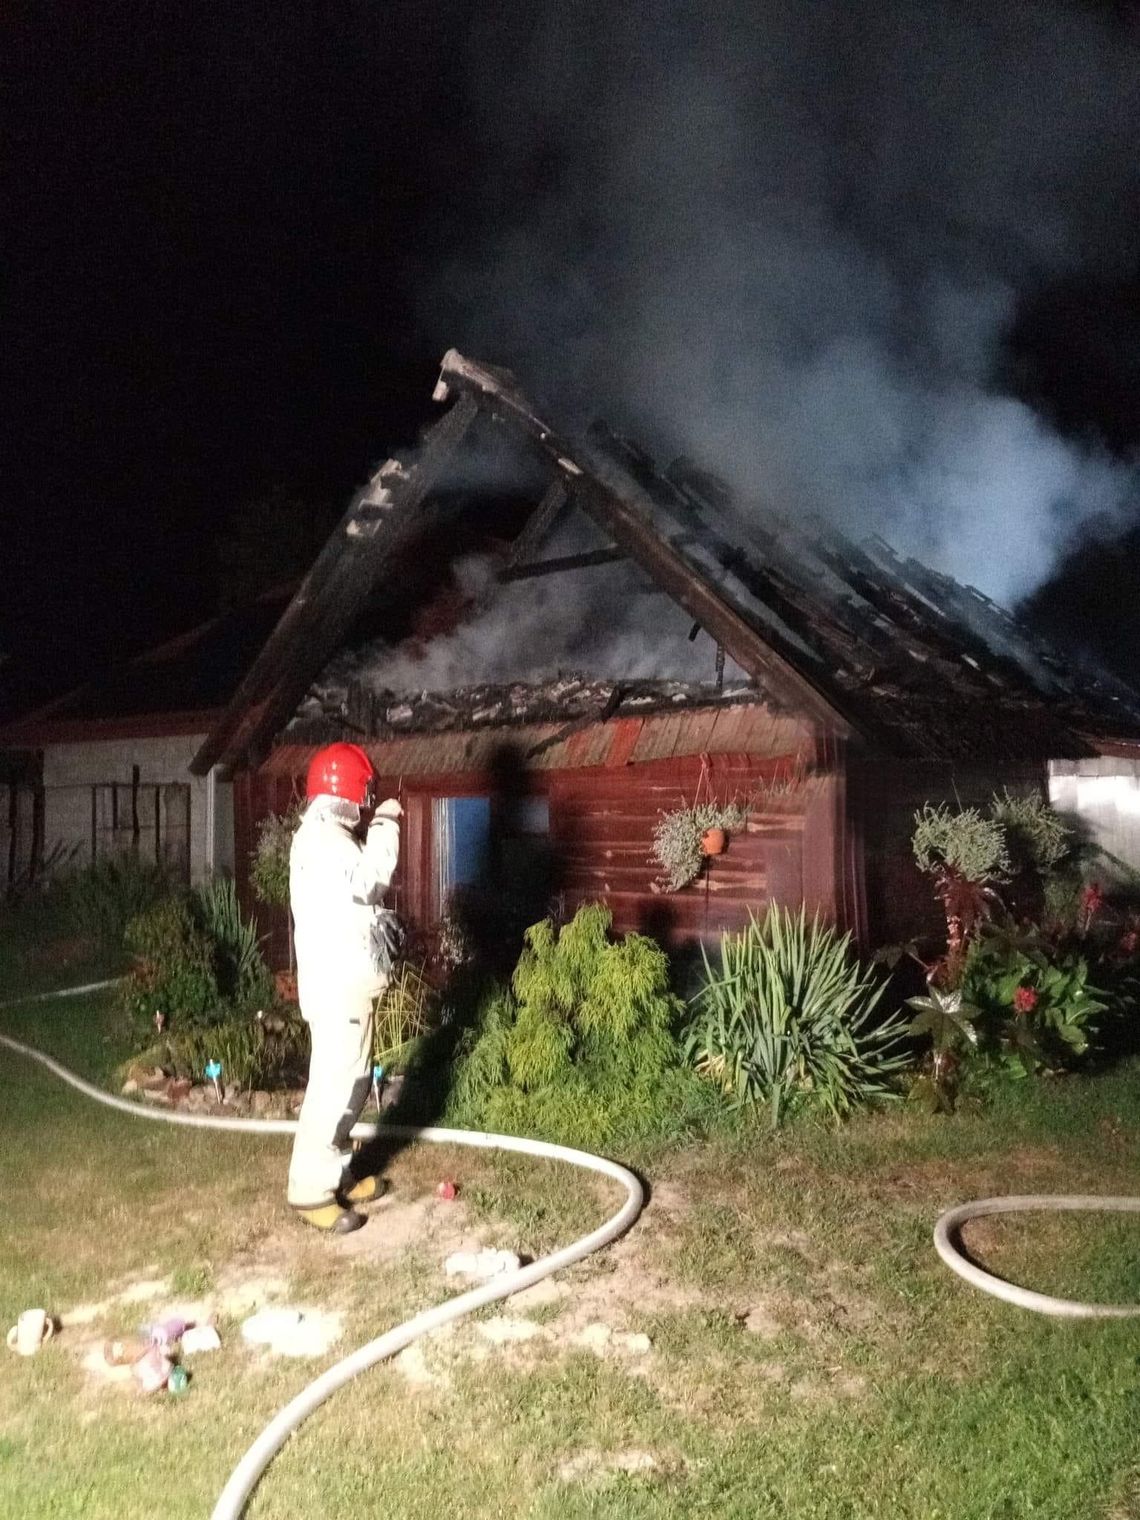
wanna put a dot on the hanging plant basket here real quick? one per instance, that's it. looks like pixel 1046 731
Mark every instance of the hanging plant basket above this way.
pixel 687 837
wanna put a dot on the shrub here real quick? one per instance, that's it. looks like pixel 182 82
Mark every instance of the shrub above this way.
pixel 790 1020
pixel 197 961
pixel 1036 836
pixel 1018 846
pixel 253 1052
pixel 269 864
pixel 964 842
pixel 105 896
pixel 175 971
pixel 1034 1001
pixel 1025 1005
pixel 581 1048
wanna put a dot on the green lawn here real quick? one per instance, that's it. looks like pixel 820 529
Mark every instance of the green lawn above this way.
pixel 809 1356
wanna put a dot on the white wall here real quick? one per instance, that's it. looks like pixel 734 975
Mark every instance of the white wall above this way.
pixel 1104 793
pixel 70 771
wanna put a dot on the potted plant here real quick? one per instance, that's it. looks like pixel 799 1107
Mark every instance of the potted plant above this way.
pixel 687 836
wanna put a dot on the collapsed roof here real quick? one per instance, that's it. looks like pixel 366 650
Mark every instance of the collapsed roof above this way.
pixel 850 638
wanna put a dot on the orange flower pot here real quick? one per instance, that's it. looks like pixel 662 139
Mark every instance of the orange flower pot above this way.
pixel 713 842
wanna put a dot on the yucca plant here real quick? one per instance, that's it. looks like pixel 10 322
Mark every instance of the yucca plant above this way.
pixel 242 973
pixel 790 1019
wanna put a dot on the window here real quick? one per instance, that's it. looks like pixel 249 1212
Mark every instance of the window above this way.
pixel 461 828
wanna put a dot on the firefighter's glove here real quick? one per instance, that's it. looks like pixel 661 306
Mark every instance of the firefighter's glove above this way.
pixel 389 808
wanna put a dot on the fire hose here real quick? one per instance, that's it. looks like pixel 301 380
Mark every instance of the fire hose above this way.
pixel 245 1476
pixel 947 1245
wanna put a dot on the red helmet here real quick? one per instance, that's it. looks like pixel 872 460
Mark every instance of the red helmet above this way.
pixel 342 770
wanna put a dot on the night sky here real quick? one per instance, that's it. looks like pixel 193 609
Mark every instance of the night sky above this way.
pixel 237 240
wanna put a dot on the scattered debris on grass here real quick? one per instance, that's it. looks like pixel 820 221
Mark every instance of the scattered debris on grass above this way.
pixel 481 1265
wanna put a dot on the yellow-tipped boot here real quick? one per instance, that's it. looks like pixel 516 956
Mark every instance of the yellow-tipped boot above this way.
pixel 332 1218
pixel 355 1190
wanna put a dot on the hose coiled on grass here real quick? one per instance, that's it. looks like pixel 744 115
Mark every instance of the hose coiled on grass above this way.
pixel 245 1476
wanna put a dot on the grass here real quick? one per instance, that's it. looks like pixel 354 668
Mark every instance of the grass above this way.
pixel 871 1384
pixel 42 948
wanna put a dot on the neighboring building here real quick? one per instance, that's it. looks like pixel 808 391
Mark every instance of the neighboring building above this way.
pixel 688 649
pixel 105 769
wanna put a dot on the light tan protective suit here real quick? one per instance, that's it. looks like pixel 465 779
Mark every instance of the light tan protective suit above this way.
pixel 336 890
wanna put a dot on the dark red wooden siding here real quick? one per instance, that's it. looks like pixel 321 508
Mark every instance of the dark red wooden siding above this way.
pixel 602 824
pixel 602 818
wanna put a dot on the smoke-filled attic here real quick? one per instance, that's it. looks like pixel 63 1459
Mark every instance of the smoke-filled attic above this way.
pixel 545 643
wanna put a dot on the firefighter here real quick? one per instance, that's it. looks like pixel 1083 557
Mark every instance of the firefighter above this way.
pixel 341 862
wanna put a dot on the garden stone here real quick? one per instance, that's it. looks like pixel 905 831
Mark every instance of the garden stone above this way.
pixel 198 1098
pixel 155 1095
pixel 260 1103
pixel 129 1087
pixel 179 1089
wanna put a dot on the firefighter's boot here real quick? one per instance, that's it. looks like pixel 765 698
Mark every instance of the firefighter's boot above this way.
pixel 332 1218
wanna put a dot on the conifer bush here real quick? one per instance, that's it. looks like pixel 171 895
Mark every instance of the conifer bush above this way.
pixel 581 1048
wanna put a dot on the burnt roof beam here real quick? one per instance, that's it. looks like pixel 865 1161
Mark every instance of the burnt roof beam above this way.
pixel 562 563
pixel 380 521
pixel 628 527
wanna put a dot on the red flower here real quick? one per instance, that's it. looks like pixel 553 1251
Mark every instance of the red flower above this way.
pixel 1129 942
pixel 1092 898
pixel 1025 999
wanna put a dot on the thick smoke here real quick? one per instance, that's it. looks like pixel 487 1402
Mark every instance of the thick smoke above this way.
pixel 786 239
pixel 615 626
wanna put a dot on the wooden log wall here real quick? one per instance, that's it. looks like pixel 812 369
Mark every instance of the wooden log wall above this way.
pixel 602 824
pixel 602 821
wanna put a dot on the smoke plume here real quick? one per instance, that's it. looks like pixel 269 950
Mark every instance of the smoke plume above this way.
pixel 787 239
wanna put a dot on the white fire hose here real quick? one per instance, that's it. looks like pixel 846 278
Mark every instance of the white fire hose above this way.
pixel 951 1252
pixel 244 1478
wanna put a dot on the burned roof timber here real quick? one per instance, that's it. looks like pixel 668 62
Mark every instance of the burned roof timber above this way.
pixel 851 638
pixel 630 531
pixel 380 521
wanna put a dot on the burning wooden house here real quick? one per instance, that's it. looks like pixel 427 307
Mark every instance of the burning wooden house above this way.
pixel 546 656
